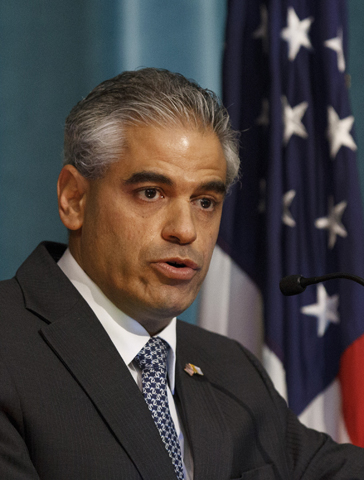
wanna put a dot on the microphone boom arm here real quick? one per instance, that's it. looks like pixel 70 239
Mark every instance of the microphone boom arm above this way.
pixel 294 284
pixel 330 276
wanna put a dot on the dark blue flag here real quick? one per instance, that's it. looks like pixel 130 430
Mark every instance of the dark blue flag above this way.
pixel 297 208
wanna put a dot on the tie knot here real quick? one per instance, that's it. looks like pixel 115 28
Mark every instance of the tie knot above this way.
pixel 153 355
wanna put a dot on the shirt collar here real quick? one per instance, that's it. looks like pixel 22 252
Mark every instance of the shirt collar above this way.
pixel 128 336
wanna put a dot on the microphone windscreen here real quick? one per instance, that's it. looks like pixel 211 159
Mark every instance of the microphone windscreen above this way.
pixel 291 285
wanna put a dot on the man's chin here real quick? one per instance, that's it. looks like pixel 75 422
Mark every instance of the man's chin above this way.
pixel 173 303
pixel 154 320
pixel 159 306
pixel 164 311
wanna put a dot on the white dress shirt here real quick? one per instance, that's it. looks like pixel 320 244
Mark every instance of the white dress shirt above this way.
pixel 129 337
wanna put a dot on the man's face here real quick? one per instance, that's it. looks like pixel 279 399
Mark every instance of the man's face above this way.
pixel 150 224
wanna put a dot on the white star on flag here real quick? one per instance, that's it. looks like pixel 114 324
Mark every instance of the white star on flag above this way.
pixel 333 221
pixel 325 310
pixel 263 118
pixel 296 33
pixel 292 120
pixel 336 44
pixel 262 30
pixel 338 132
pixel 287 217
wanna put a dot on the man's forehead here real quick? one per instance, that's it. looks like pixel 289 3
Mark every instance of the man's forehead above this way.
pixel 132 131
pixel 179 137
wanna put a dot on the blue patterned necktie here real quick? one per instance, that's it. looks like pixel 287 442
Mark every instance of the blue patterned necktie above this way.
pixel 152 360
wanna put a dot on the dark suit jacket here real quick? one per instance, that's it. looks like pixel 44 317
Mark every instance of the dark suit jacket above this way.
pixel 70 410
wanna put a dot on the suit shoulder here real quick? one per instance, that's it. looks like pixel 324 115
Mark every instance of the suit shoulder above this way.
pixel 10 294
pixel 195 330
pixel 224 359
pixel 16 322
pixel 218 351
pixel 198 337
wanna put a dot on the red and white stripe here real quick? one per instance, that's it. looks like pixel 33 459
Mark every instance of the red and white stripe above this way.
pixel 231 304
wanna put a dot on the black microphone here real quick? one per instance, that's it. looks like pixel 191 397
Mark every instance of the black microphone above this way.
pixel 294 284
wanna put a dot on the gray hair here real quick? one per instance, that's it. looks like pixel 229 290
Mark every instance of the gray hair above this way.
pixel 95 127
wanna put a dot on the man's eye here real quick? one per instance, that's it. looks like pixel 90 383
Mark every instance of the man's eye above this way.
pixel 206 203
pixel 150 194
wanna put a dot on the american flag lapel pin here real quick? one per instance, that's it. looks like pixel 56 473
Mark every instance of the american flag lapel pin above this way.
pixel 192 369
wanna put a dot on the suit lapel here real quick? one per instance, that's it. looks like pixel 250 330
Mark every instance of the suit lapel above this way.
pixel 208 436
pixel 78 339
pixel 84 347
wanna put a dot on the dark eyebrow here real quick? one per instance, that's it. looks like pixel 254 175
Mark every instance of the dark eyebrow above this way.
pixel 145 176
pixel 215 185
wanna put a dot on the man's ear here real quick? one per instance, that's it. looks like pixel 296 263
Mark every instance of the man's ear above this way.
pixel 71 189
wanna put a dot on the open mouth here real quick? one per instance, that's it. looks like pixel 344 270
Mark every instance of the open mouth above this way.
pixel 176 265
pixel 176 269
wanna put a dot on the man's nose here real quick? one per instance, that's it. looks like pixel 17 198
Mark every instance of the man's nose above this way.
pixel 179 226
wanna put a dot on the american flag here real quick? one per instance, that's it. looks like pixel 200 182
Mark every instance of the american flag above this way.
pixel 296 210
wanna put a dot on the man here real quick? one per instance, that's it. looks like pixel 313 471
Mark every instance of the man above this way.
pixel 98 379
